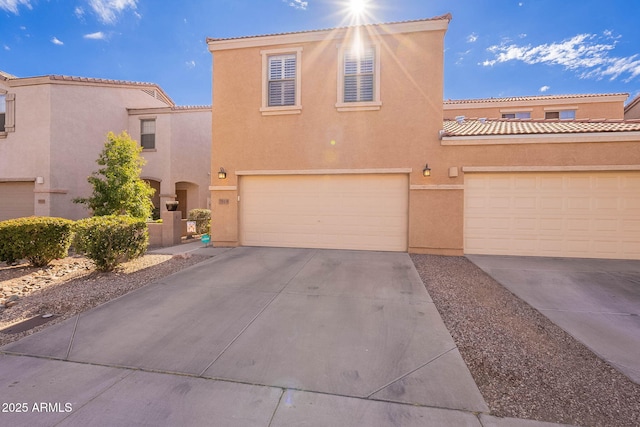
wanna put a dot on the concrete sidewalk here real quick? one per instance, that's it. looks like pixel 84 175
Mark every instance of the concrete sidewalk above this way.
pixel 253 337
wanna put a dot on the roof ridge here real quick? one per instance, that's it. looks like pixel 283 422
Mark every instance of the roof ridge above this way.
pixel 98 80
pixel 446 16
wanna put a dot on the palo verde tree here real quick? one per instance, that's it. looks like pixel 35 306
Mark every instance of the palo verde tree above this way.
pixel 117 187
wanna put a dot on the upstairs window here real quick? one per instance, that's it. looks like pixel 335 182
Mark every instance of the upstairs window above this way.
pixel 517 115
pixel 281 81
pixel 7 113
pixel 358 77
pixel 148 134
pixel 359 74
pixel 562 114
pixel 3 111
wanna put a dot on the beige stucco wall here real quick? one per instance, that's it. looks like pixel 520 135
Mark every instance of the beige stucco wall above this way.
pixel 61 127
pixel 182 157
pixel 600 107
pixel 402 134
pixel 25 153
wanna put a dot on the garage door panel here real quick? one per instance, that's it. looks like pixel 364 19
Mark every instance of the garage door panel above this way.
pixel 16 200
pixel 325 211
pixel 572 214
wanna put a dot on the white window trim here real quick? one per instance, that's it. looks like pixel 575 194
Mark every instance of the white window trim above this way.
pixel 9 114
pixel 287 109
pixel 374 105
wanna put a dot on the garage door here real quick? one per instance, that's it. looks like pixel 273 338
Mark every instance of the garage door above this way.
pixel 16 200
pixel 367 212
pixel 577 214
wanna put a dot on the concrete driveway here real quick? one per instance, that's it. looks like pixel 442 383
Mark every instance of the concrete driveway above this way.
pixel 254 336
pixel 597 301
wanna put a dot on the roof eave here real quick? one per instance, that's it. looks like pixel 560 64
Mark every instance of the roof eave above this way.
pixel 433 24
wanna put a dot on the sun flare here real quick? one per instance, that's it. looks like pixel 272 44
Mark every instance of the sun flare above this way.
pixel 357 7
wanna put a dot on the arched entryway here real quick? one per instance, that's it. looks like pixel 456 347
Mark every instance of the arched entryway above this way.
pixel 187 197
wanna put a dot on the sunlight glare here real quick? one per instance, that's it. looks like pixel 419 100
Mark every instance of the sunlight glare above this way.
pixel 357 7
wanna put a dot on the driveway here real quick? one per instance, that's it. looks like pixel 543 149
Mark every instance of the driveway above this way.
pixel 253 336
pixel 597 301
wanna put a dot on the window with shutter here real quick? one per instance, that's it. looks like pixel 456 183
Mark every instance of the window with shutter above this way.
pixel 359 78
pixel 359 75
pixel 281 81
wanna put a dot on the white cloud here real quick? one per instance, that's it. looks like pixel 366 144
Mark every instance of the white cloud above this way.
pixel 190 64
pixel 545 88
pixel 586 54
pixel 297 4
pixel 108 10
pixel 56 41
pixel 95 36
pixel 472 38
pixel 12 5
pixel 6 47
pixel 79 12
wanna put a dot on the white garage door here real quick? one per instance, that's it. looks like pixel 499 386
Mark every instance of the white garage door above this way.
pixel 368 212
pixel 16 200
pixel 577 214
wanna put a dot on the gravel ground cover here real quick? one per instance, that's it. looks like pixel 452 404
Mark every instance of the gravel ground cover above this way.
pixel 525 366
pixel 72 285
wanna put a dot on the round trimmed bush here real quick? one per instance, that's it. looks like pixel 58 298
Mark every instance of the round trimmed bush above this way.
pixel 111 240
pixel 37 239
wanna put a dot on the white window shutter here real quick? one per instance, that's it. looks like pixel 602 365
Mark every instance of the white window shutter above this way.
pixel 282 80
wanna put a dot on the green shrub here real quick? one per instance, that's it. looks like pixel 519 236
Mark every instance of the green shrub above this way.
pixel 202 218
pixel 38 239
pixel 111 240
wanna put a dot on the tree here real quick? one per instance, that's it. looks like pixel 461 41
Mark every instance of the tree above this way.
pixel 117 187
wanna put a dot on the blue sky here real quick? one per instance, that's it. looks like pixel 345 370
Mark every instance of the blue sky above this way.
pixel 493 48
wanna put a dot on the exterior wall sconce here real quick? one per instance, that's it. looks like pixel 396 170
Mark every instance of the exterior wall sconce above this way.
pixel 426 171
pixel 222 174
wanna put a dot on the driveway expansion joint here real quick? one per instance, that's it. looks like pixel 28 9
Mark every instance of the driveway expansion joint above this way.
pixel 410 372
pixel 293 276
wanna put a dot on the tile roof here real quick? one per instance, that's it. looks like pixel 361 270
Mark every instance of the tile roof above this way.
pixel 497 127
pixel 530 98
pixel 447 17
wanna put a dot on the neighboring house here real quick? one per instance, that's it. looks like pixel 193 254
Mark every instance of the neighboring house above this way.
pixel 321 139
pixel 632 109
pixel 54 128
pixel 561 107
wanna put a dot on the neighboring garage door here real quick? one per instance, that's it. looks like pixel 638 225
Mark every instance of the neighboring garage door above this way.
pixel 368 212
pixel 16 200
pixel 564 214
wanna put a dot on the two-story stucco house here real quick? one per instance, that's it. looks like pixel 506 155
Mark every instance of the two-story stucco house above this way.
pixel 54 127
pixel 335 139
pixel 324 136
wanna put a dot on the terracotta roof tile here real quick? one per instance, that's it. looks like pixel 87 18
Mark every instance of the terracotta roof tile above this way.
pixel 447 17
pixel 496 127
pixel 529 98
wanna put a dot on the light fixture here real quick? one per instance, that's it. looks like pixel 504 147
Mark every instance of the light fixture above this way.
pixel 222 174
pixel 426 171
